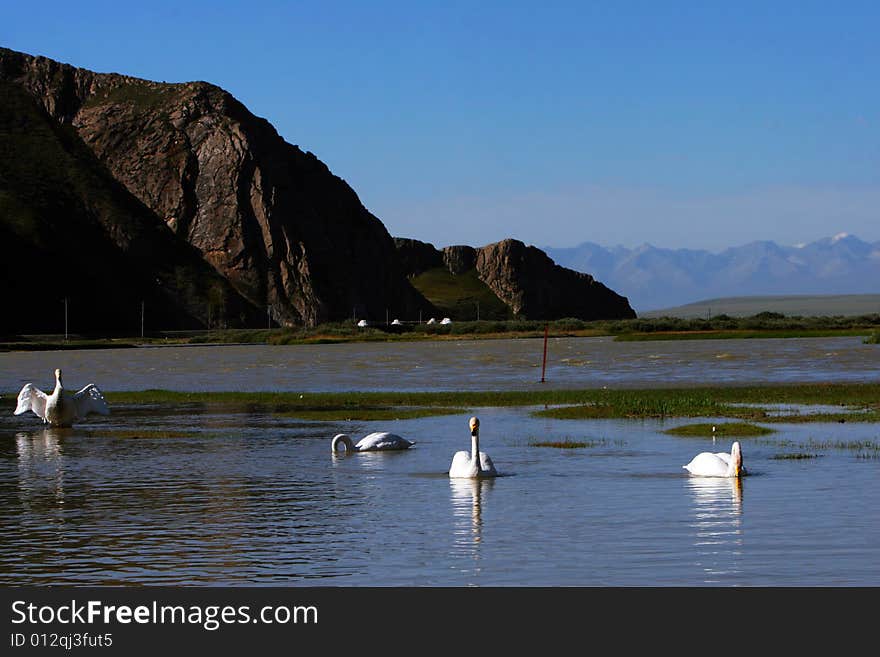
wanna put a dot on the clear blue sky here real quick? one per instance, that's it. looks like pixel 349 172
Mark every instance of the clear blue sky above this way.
pixel 681 124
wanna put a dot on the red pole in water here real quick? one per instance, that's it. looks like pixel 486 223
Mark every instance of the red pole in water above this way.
pixel 544 364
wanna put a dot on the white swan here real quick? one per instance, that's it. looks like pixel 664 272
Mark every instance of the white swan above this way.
pixel 62 407
pixel 719 464
pixel 373 442
pixel 474 463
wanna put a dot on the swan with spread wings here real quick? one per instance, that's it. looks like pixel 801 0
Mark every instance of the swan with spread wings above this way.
pixel 63 407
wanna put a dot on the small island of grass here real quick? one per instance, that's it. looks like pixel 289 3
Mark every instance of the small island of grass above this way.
pixel 562 444
pixel 722 430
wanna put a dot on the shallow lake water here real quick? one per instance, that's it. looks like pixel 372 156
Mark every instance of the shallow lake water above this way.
pixel 450 365
pixel 197 497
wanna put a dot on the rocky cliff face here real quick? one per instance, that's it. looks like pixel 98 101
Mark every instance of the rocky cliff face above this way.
pixel 417 257
pixel 529 283
pixel 270 218
pixel 459 259
pixel 76 245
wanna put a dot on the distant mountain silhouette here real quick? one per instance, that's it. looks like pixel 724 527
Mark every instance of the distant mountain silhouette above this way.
pixel 653 278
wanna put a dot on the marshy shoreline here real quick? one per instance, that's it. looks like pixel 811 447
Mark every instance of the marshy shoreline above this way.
pixel 724 327
pixel 852 402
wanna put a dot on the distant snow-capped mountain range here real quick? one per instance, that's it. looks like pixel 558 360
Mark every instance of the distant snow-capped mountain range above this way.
pixel 654 278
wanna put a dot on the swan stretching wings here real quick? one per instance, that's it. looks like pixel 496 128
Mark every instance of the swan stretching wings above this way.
pixel 475 463
pixel 720 464
pixel 62 407
pixel 373 442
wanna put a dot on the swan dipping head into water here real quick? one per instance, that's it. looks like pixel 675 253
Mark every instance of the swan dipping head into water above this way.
pixel 719 464
pixel 474 463
pixel 373 442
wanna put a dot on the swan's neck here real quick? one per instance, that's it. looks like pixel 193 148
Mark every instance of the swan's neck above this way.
pixel 58 386
pixel 342 440
pixel 475 450
pixel 735 467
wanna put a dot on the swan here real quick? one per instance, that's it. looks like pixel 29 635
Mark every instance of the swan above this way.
pixel 373 442
pixel 475 463
pixel 720 464
pixel 62 407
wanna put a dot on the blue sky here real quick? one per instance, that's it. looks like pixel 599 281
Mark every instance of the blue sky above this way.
pixel 681 124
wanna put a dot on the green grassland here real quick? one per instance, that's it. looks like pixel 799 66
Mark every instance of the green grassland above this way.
pixel 460 296
pixel 764 325
pixel 694 402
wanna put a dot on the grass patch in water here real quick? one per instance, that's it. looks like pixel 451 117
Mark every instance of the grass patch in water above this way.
pixel 868 445
pixel 594 403
pixel 853 415
pixel 722 430
pixel 854 445
pixel 368 413
pixel 564 444
pixel 569 443
pixel 795 457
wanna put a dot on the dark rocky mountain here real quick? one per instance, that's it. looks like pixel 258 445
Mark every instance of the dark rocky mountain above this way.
pixel 69 231
pixel 270 219
pixel 655 278
pixel 523 278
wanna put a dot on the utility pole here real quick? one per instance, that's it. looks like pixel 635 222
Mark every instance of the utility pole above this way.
pixel 142 320
pixel 269 316
pixel 544 362
pixel 478 311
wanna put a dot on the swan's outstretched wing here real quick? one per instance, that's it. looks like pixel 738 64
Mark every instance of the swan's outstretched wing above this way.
pixel 90 400
pixel 33 399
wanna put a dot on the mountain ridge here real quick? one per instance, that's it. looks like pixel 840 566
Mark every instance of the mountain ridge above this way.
pixel 655 278
pixel 290 237
pixel 523 280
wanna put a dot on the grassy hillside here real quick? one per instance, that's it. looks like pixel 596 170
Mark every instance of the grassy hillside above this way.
pixel 457 296
pixel 794 305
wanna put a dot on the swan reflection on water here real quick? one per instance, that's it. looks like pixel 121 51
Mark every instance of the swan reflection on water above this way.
pixel 40 464
pixel 718 537
pixel 467 498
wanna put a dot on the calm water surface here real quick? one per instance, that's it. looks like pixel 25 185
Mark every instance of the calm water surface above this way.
pixel 185 496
